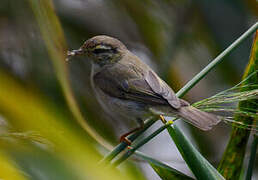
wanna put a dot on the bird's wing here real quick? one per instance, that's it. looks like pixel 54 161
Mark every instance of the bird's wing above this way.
pixel 150 89
pixel 161 88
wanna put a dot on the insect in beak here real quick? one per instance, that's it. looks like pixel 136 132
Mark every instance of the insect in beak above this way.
pixel 73 53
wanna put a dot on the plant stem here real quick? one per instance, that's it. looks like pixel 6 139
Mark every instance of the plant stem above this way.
pixel 233 157
pixel 252 158
pixel 120 147
pixel 138 145
pixel 216 61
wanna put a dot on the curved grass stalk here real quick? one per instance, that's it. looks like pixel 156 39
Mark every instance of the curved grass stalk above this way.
pixel 53 37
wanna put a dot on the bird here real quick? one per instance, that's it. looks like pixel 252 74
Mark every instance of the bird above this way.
pixel 129 90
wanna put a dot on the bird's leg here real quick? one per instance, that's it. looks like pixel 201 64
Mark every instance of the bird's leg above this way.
pixel 124 138
pixel 162 119
pixel 165 121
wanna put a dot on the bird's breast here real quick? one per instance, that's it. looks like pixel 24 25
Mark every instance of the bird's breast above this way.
pixel 125 110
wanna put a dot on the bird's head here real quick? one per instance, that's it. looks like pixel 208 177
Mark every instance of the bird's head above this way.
pixel 102 50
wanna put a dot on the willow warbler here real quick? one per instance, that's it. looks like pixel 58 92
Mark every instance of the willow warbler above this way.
pixel 128 89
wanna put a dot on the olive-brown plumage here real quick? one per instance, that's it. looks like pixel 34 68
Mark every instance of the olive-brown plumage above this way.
pixel 128 89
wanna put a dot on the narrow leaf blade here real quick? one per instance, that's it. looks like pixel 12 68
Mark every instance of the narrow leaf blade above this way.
pixel 233 157
pixel 164 171
pixel 200 167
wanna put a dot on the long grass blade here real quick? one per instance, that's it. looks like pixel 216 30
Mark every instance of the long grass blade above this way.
pixel 164 171
pixel 200 167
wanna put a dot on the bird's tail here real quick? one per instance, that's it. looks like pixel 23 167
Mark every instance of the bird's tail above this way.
pixel 199 119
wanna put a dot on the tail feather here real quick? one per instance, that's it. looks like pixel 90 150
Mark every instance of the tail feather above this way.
pixel 202 120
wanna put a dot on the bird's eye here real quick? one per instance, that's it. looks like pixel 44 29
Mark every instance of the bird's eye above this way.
pixel 100 51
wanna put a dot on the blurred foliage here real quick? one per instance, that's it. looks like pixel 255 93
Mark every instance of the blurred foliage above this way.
pixel 9 170
pixel 45 102
pixel 54 39
pixel 33 112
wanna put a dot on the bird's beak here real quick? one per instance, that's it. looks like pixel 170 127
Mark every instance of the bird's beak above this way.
pixel 73 53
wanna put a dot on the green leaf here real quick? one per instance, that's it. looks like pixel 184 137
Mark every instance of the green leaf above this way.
pixel 28 111
pixel 9 169
pixel 200 167
pixel 233 157
pixel 251 162
pixel 164 171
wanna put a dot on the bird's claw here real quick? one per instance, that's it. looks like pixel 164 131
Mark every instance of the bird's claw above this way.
pixel 126 140
pixel 162 119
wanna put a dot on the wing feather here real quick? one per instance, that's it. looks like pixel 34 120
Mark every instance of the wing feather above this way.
pixel 161 88
pixel 149 90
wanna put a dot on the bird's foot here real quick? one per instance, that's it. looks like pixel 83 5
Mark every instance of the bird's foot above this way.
pixel 129 147
pixel 162 119
pixel 126 140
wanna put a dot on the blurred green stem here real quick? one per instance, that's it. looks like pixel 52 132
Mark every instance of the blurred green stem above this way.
pixel 52 33
pixel 251 162
pixel 233 157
